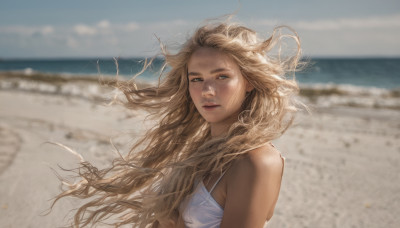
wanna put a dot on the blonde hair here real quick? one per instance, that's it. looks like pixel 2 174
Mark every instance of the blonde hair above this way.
pixel 159 172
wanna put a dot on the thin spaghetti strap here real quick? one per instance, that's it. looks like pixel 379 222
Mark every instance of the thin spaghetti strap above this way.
pixel 283 163
pixel 215 184
pixel 282 157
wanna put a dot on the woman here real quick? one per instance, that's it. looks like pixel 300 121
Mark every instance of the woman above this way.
pixel 209 161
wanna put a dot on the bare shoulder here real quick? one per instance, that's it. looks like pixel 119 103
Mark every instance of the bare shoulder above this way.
pixel 263 160
pixel 253 185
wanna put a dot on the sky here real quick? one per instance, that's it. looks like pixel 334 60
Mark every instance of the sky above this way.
pixel 123 28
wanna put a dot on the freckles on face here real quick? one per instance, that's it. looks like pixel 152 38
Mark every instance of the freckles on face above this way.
pixel 216 85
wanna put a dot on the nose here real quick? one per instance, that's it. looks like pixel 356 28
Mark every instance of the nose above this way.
pixel 208 89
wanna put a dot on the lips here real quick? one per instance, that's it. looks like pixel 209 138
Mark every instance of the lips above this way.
pixel 210 106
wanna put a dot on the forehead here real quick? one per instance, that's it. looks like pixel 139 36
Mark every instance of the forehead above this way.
pixel 210 58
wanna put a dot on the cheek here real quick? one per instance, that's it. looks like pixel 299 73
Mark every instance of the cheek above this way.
pixel 194 93
pixel 234 91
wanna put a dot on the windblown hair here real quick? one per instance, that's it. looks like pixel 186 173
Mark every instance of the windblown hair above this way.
pixel 159 172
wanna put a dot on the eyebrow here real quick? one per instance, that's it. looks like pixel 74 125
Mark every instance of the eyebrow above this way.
pixel 211 72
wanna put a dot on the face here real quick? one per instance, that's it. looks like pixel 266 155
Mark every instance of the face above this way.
pixel 216 85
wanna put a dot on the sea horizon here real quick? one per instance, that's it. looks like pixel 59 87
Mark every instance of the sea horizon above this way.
pixel 377 72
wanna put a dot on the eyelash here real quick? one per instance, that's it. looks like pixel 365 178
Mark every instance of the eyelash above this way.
pixel 220 77
pixel 196 79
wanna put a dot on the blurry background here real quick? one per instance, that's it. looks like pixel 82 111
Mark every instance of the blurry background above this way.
pixel 342 161
pixel 48 29
pixel 75 34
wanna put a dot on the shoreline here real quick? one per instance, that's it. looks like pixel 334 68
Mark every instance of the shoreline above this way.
pixel 316 95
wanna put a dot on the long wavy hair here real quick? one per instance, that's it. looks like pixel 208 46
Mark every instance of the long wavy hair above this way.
pixel 159 172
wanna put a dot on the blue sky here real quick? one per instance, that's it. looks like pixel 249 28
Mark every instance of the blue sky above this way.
pixel 99 28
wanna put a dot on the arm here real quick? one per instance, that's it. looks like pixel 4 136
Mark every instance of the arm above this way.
pixel 253 189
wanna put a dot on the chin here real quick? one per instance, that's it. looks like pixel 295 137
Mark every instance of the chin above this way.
pixel 214 120
pixel 211 119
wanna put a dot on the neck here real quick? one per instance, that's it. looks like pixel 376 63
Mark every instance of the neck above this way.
pixel 218 130
pixel 221 128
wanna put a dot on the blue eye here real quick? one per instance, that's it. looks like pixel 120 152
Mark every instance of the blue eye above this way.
pixel 222 77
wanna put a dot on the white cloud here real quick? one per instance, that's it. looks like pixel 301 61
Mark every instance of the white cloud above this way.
pixel 105 27
pixel 47 30
pixel 82 29
pixel 368 36
pixel 345 36
pixel 104 24
pixel 167 24
pixel 392 21
pixel 373 22
pixel 132 26
pixel 27 30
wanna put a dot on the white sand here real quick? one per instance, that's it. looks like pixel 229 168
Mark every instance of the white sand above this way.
pixel 342 163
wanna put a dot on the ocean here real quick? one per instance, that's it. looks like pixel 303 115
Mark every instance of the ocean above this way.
pixel 367 72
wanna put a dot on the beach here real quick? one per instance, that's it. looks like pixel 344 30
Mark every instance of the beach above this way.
pixel 342 157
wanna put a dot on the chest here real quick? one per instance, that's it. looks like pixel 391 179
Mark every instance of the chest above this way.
pixel 216 187
pixel 201 210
